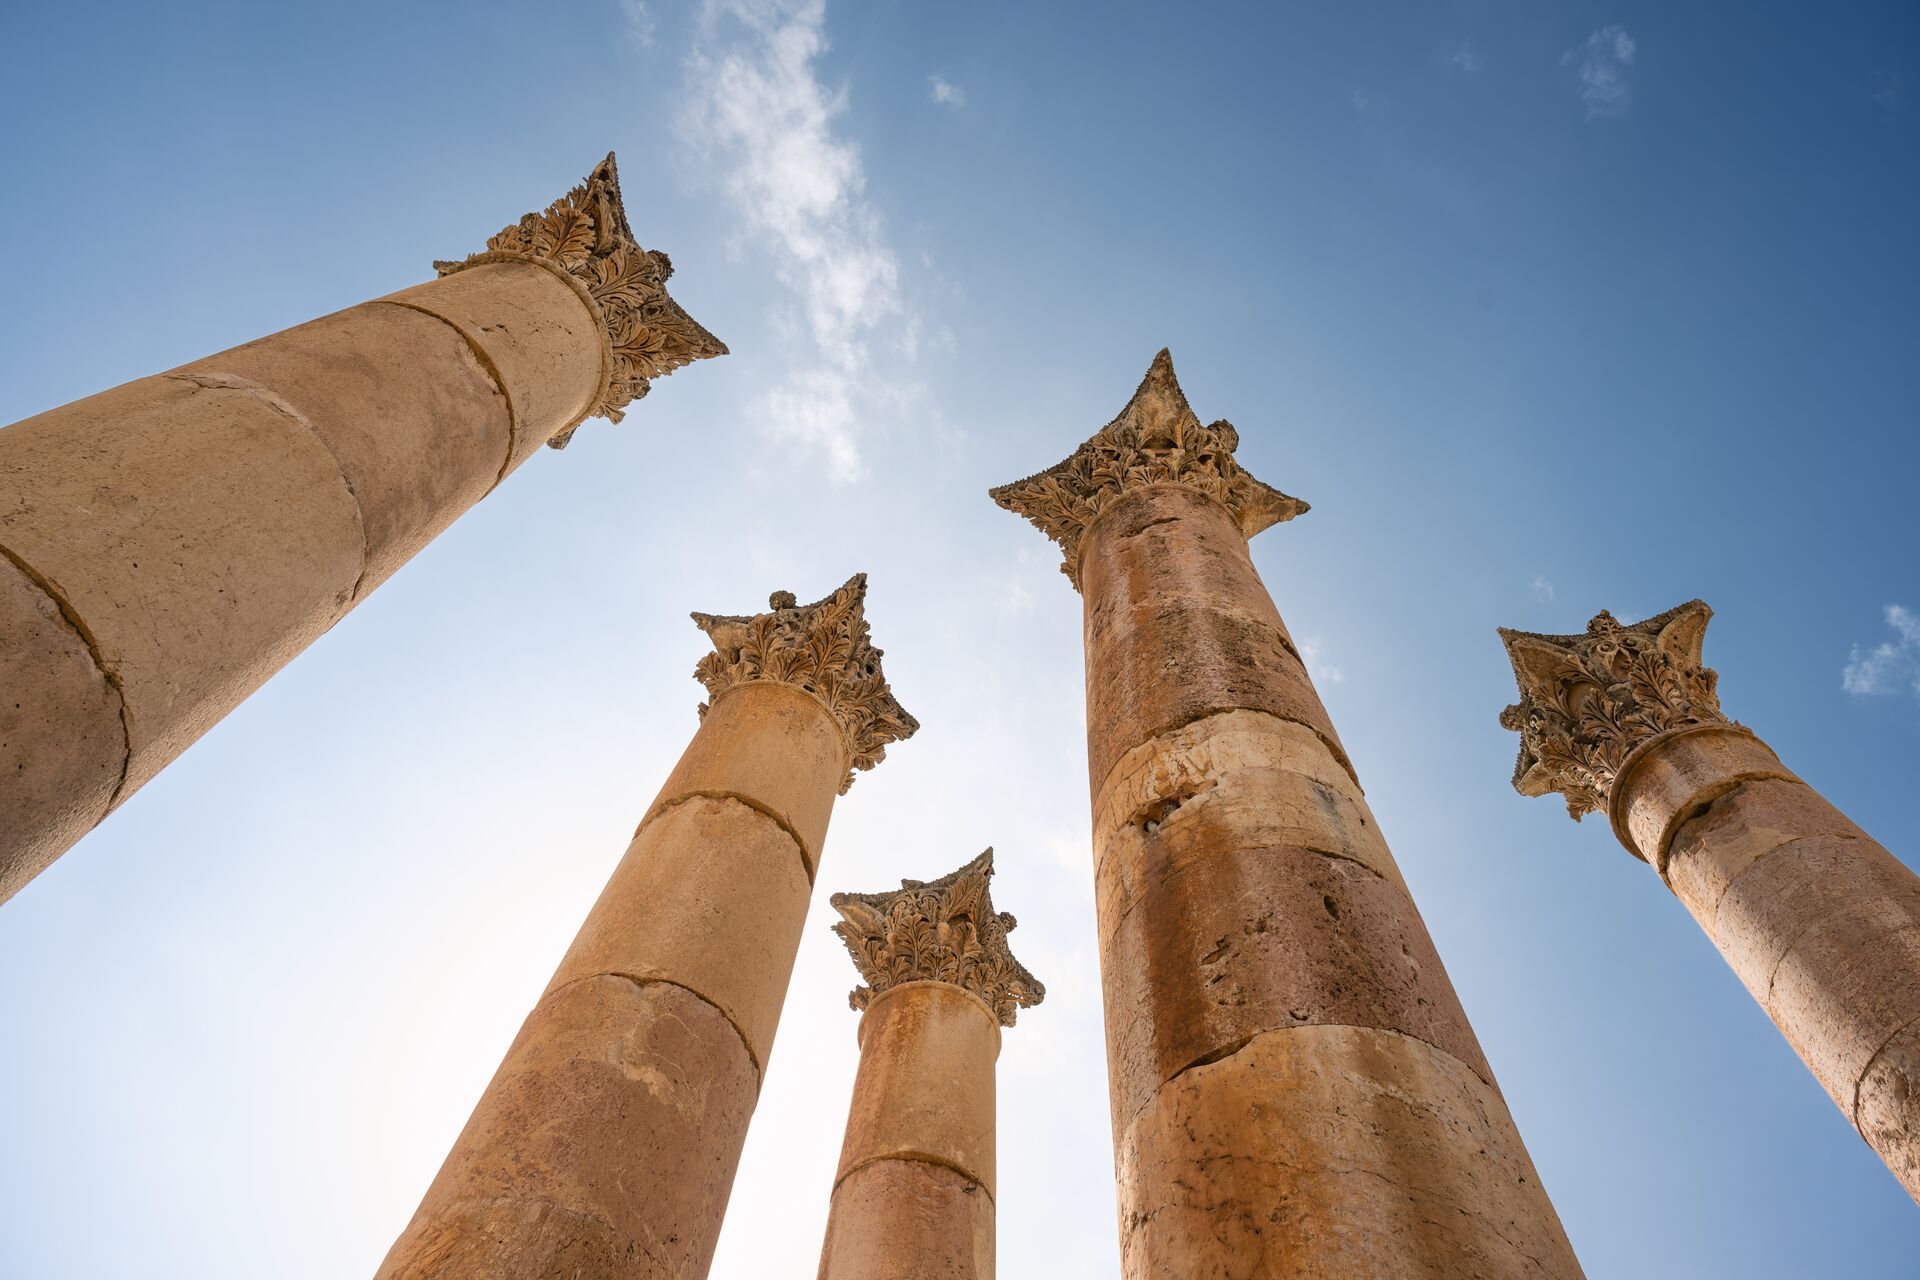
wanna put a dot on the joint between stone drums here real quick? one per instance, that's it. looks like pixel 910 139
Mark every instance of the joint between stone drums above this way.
pixel 1240 1046
pixel 745 802
pixel 493 371
pixel 594 310
pixel 641 980
pixel 1616 815
pixel 215 380
pixel 916 1157
pixel 1853 1114
pixel 71 616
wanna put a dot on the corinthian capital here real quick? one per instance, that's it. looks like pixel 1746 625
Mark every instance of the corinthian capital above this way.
pixel 585 235
pixel 1588 701
pixel 1156 440
pixel 822 648
pixel 942 931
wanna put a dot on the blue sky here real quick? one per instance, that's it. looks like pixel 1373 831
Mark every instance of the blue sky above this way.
pixel 1544 307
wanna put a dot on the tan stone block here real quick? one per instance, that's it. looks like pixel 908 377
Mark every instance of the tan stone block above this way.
pixel 202 536
pixel 1335 1152
pixel 1846 987
pixel 1207 748
pixel 1138 542
pixel 1159 657
pixel 1888 1110
pixel 61 742
pixel 1677 777
pixel 908 1220
pixel 1796 888
pixel 1206 952
pixel 925 1087
pixel 1185 801
pixel 615 1124
pixel 536 332
pixel 1708 852
pixel 711 896
pixel 419 427
pixel 773 746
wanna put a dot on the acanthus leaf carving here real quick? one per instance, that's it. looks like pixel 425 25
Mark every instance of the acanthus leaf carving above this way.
pixel 944 930
pixel 823 648
pixel 585 234
pixel 1157 439
pixel 1588 701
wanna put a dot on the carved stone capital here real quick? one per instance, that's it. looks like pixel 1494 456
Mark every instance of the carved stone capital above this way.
pixel 1588 701
pixel 1156 440
pixel 585 234
pixel 822 648
pixel 942 931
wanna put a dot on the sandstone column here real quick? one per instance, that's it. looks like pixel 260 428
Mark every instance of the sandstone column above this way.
pixel 1819 921
pixel 1296 1090
pixel 914 1196
pixel 605 1146
pixel 168 545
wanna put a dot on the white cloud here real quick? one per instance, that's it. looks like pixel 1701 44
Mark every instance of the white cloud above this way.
pixel 946 92
pixel 1466 58
pixel 1542 589
pixel 760 110
pixel 1892 666
pixel 640 23
pixel 1603 61
pixel 1310 651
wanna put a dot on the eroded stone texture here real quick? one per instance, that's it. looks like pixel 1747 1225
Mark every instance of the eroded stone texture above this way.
pixel 199 528
pixel 1337 1152
pixel 62 744
pixel 709 897
pixel 1819 921
pixel 909 1220
pixel 416 448
pixel 1263 965
pixel 607 1142
pixel 914 1193
pixel 607 1139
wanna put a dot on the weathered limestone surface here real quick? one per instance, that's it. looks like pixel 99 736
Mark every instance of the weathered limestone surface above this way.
pixel 1296 1090
pixel 196 529
pixel 1337 1152
pixel 607 1142
pixel 1819 921
pixel 914 1194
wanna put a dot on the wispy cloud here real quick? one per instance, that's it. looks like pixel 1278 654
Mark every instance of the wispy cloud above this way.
pixel 946 92
pixel 760 110
pixel 1310 653
pixel 640 23
pixel 1602 63
pixel 1892 666
pixel 1541 588
pixel 1888 89
pixel 1467 58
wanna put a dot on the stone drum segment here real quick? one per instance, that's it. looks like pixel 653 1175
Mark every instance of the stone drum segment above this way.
pixel 1296 1090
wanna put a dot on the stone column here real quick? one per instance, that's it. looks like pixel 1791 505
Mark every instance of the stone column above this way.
pixel 1821 923
pixel 914 1195
pixel 168 545
pixel 606 1143
pixel 1296 1090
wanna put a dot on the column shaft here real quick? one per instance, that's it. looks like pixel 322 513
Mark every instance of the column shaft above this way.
pixel 913 1198
pixel 167 545
pixel 1296 1090
pixel 1819 920
pixel 606 1144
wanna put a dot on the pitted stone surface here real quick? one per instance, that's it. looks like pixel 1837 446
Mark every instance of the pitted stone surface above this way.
pixel 608 1137
pixel 909 1220
pixel 1333 1152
